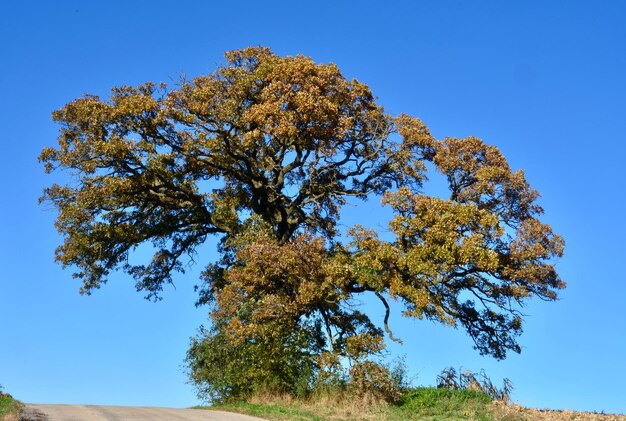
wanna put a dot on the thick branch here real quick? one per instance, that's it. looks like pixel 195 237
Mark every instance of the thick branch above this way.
pixel 387 329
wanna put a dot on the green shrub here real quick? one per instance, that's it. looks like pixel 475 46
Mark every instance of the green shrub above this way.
pixel 9 407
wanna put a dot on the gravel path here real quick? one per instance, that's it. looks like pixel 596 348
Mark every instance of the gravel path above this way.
pixel 124 413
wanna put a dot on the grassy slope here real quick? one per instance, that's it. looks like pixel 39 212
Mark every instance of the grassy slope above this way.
pixel 9 408
pixel 420 404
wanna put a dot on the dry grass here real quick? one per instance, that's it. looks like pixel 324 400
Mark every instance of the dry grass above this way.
pixel 10 417
pixel 338 405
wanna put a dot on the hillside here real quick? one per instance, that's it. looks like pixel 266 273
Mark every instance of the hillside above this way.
pixel 429 404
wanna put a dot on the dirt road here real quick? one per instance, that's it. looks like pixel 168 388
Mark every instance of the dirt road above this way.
pixel 124 413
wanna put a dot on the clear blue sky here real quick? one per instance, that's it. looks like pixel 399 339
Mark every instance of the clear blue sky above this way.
pixel 544 81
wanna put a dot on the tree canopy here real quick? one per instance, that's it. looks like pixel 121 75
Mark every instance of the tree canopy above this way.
pixel 263 153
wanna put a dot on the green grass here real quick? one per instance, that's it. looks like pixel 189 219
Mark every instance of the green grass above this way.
pixel 423 403
pixel 292 411
pixel 9 407
pixel 427 403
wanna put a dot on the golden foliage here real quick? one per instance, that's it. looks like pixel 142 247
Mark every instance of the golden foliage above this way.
pixel 263 153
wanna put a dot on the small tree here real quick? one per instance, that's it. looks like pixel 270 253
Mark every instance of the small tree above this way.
pixel 263 153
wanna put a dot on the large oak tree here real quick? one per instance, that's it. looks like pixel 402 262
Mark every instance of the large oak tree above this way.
pixel 263 153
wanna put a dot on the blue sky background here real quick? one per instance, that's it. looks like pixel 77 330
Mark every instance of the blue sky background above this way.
pixel 544 81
